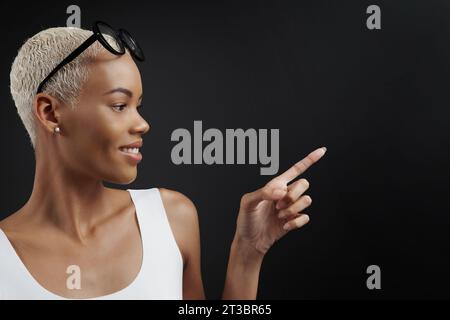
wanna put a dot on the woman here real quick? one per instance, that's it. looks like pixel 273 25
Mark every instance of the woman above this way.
pixel 78 93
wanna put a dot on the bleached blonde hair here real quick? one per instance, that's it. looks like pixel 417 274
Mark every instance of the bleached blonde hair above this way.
pixel 37 57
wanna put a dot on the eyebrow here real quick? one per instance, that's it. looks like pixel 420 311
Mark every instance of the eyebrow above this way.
pixel 122 90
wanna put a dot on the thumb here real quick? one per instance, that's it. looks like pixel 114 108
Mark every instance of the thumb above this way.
pixel 252 199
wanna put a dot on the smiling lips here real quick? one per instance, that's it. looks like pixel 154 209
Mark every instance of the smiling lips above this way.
pixel 131 151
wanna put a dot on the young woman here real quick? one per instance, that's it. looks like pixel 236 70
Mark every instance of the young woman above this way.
pixel 78 94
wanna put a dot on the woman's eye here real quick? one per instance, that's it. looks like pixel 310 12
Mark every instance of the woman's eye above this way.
pixel 116 107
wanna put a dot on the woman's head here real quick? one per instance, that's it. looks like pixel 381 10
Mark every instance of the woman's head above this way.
pixel 94 118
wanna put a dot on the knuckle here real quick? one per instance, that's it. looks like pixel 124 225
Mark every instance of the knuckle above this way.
pixel 244 198
pixel 267 191
pixel 304 182
pixel 300 166
pixel 290 197
pixel 291 210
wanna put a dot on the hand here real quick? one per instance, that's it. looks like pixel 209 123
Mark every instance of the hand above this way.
pixel 269 213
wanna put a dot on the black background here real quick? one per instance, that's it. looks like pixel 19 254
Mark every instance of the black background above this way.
pixel 377 99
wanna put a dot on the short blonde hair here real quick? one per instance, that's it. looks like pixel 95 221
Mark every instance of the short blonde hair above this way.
pixel 37 57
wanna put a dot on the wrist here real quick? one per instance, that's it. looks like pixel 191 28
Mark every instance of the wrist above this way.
pixel 246 252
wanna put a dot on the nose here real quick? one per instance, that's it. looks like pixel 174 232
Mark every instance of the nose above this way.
pixel 142 126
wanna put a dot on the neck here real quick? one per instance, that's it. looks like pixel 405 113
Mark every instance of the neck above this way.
pixel 73 203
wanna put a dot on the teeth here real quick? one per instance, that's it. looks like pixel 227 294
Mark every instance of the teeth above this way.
pixel 130 150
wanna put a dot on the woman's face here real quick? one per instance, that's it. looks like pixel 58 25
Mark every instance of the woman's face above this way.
pixel 105 119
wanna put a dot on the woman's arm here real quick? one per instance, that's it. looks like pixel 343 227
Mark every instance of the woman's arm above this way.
pixel 243 265
pixel 242 276
pixel 183 218
pixel 265 216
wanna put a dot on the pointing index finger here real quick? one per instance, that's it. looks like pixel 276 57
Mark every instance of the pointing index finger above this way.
pixel 303 165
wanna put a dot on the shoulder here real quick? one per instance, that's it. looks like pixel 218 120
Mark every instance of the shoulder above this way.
pixel 178 202
pixel 12 222
pixel 183 218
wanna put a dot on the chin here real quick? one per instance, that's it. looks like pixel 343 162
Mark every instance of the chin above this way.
pixel 125 178
pixel 128 180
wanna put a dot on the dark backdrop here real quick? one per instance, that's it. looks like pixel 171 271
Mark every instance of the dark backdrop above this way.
pixel 377 99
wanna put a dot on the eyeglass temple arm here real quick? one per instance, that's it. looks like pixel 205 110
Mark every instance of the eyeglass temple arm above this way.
pixel 69 58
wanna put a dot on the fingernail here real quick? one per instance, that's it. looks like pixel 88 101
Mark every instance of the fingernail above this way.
pixel 324 148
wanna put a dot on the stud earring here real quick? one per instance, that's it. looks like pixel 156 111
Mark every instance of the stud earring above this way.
pixel 57 130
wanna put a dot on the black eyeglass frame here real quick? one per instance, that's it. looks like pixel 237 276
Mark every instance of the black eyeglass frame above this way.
pixel 121 36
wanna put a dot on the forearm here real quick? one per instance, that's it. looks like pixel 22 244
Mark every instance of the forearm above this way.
pixel 244 265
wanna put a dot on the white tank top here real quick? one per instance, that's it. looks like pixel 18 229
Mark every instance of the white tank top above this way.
pixel 160 276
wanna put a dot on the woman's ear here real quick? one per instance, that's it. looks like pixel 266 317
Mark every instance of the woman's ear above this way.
pixel 47 111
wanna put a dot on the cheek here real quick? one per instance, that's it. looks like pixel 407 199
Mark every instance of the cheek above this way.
pixel 98 133
pixel 106 136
